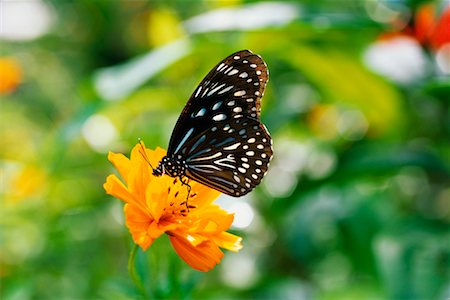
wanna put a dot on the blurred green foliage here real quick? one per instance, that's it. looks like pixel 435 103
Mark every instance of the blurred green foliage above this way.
pixel 356 204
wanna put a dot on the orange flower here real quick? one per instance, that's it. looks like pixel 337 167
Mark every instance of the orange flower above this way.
pixel 11 75
pixel 431 28
pixel 427 27
pixel 157 205
pixel 441 33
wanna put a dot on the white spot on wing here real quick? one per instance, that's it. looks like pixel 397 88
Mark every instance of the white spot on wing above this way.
pixel 235 71
pixel 219 117
pixel 184 139
pixel 200 113
pixel 243 75
pixel 226 161
pixel 204 93
pixel 232 147
pixel 226 89
pixel 240 93
pixel 228 70
pixel 217 105
pixel 215 89
pixel 207 157
pixel 198 91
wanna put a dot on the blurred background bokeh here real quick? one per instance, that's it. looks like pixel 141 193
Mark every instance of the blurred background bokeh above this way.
pixel 356 204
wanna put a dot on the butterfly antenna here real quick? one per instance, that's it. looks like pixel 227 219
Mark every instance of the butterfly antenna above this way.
pixel 144 153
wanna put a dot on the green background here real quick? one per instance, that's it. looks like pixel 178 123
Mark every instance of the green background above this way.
pixel 357 201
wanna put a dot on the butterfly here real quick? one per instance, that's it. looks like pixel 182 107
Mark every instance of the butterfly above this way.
pixel 219 139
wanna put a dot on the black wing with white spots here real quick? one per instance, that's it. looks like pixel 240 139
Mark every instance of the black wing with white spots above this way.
pixel 219 139
pixel 232 156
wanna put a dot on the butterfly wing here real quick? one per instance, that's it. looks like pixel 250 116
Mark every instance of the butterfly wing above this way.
pixel 232 156
pixel 219 134
pixel 233 87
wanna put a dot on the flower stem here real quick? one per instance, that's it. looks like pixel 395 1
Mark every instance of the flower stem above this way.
pixel 132 271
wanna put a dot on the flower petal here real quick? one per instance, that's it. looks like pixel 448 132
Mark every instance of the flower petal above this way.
pixel 203 257
pixel 121 163
pixel 228 241
pixel 139 177
pixel 156 196
pixel 139 223
pixel 141 174
pixel 155 156
pixel 204 195
pixel 152 156
pixel 192 238
pixel 114 187
pixel 213 219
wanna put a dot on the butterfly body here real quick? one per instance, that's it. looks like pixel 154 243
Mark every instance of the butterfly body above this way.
pixel 219 139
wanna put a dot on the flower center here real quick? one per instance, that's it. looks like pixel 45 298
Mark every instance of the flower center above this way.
pixel 179 204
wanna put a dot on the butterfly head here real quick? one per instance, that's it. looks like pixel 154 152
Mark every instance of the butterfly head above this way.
pixel 159 171
pixel 170 167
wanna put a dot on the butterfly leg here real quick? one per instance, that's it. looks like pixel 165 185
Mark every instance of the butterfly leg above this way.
pixel 188 194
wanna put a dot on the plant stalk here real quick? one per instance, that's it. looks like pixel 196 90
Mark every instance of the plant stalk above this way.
pixel 133 273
